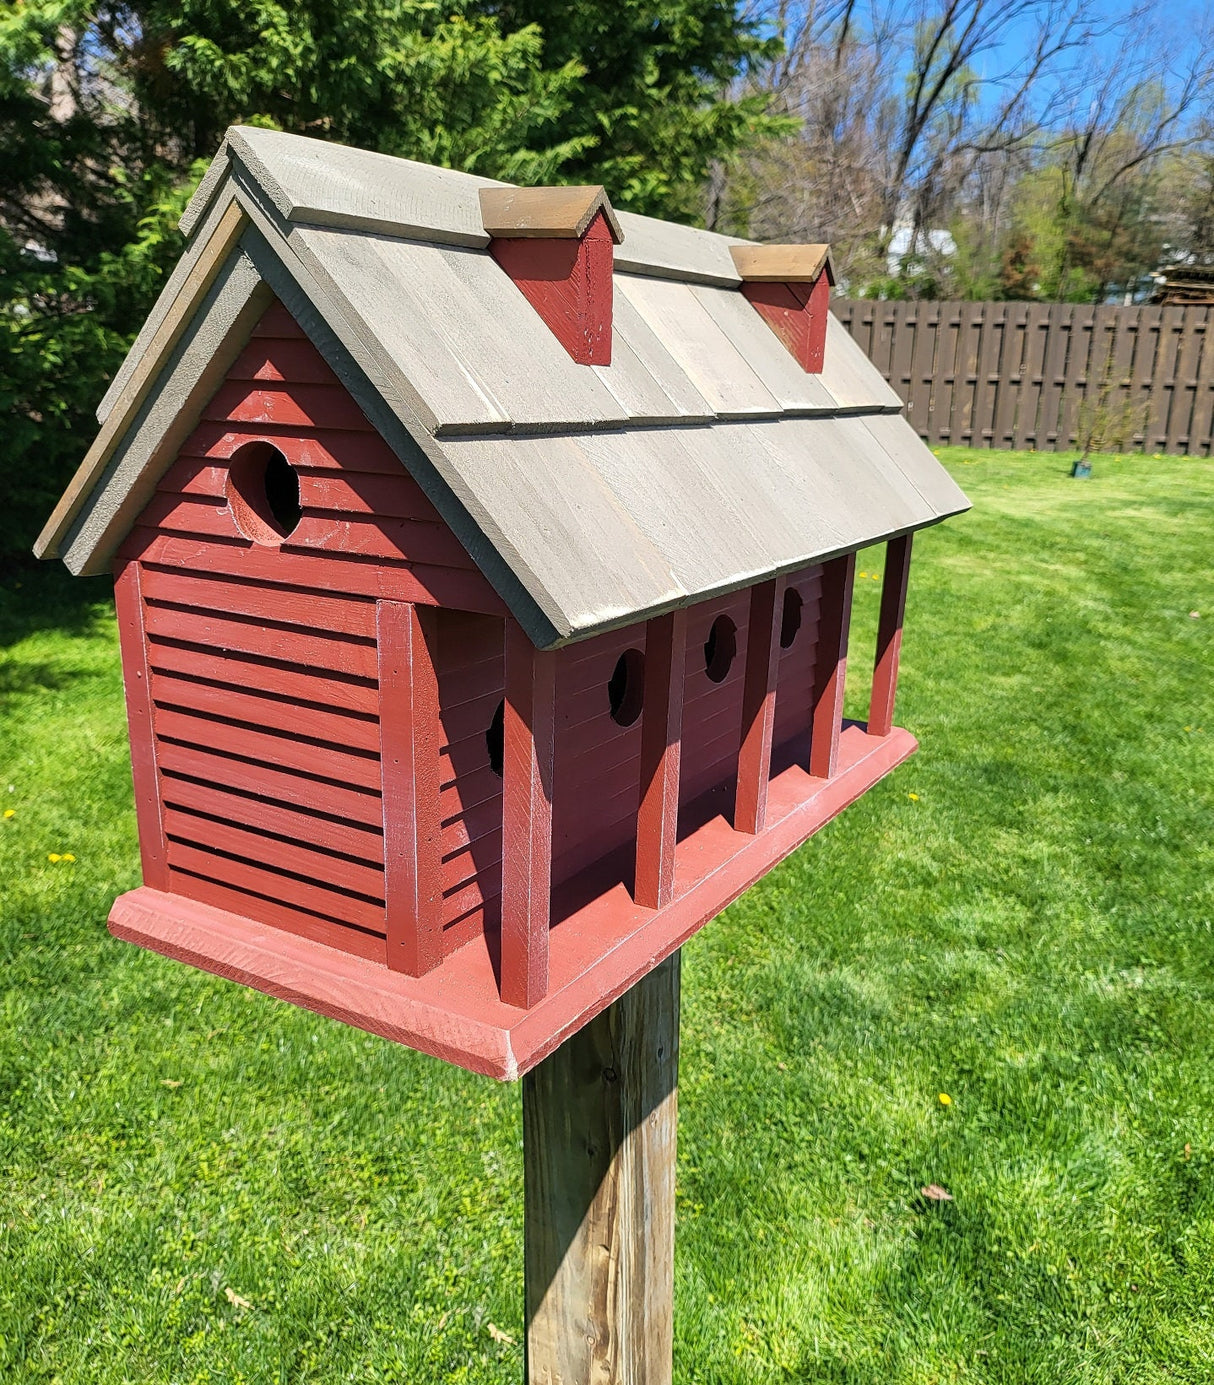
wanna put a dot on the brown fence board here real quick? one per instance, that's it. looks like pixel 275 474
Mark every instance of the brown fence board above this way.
pixel 1027 375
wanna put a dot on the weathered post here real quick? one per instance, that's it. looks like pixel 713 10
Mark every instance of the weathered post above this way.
pixel 600 1119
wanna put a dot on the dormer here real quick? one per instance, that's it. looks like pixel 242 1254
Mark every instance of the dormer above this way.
pixel 556 245
pixel 789 286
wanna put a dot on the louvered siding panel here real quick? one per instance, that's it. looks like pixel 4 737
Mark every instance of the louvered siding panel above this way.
pixel 263 663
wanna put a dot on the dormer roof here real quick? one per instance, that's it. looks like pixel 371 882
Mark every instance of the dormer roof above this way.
pixel 701 460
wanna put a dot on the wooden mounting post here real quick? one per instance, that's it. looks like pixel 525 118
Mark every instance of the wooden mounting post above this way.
pixel 889 636
pixel 758 704
pixel 600 1121
pixel 661 735
pixel 410 734
pixel 528 740
pixel 830 674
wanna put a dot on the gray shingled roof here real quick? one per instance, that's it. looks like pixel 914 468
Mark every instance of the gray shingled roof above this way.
pixel 702 459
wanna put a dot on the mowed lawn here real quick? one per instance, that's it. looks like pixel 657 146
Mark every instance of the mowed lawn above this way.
pixel 198 1184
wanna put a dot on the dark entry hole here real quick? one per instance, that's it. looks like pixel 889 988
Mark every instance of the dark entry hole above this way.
pixel 282 492
pixel 790 621
pixel 263 489
pixel 626 687
pixel 720 648
pixel 495 739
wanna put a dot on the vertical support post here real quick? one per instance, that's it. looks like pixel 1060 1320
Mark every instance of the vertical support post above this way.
pixel 661 734
pixel 528 740
pixel 136 678
pixel 758 704
pixel 600 1125
pixel 410 735
pixel 830 671
pixel 889 636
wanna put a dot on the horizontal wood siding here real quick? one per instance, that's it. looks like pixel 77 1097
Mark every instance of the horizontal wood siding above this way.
pixel 1017 375
pixel 262 660
pixel 596 772
pixel 471 668
pixel 794 681
pixel 712 714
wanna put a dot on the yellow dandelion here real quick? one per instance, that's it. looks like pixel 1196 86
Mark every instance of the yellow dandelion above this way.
pixel 53 856
pixel 10 813
pixel 945 1099
pixel 864 574
pixel 914 797
pixel 67 856
pixel 876 576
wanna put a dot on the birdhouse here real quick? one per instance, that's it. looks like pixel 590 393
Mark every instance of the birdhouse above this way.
pixel 483 564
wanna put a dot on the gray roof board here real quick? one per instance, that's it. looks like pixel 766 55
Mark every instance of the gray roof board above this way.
pixel 702 459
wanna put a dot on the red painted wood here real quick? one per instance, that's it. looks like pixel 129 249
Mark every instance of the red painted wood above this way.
pixel 409 724
pixel 291 361
pixel 190 891
pixel 796 313
pixel 302 691
pixel 309 610
pixel 712 712
pixel 338 653
pixel 263 849
pixel 262 882
pixel 758 704
pixel 269 781
pixel 599 950
pixel 269 748
pixel 128 601
pixel 569 283
pixel 277 321
pixel 661 741
pixel 314 829
pixel 831 675
pixel 528 741
pixel 889 636
pixel 293 406
pixel 794 699
pixel 323 448
pixel 418 583
pixel 278 715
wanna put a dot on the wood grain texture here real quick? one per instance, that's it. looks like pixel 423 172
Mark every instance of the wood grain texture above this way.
pixel 556 212
pixel 830 676
pixel 758 704
pixel 600 1123
pixel 782 263
pixel 569 284
pixel 661 740
pixel 149 809
pixel 122 410
pixel 409 728
pixel 889 636
pixel 528 739
pixel 796 311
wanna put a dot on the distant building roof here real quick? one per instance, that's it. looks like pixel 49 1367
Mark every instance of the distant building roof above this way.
pixel 1184 283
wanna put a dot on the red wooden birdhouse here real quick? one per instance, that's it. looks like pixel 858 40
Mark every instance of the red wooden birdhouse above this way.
pixel 483 566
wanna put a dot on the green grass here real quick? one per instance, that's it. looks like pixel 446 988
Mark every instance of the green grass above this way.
pixel 1031 934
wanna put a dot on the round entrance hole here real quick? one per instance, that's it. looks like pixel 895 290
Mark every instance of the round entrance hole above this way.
pixel 263 491
pixel 626 687
pixel 790 620
pixel 720 648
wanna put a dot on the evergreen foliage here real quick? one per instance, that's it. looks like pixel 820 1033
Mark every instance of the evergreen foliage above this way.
pixel 108 113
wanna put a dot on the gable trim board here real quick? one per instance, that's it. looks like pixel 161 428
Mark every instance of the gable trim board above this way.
pixel 701 461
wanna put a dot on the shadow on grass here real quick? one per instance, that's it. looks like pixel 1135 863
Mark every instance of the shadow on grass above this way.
pixel 45 596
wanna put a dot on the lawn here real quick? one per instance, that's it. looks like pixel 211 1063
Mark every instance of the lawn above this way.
pixel 198 1184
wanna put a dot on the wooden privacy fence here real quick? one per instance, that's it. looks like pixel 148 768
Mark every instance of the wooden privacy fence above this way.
pixel 1034 375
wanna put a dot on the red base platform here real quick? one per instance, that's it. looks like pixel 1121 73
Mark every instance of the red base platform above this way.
pixel 598 949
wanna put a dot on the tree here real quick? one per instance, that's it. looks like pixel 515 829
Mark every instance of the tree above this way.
pixel 108 110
